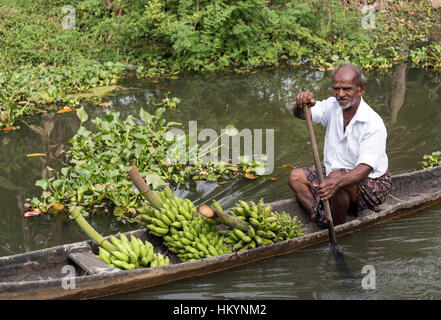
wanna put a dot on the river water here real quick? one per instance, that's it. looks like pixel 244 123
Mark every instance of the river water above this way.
pixel 405 255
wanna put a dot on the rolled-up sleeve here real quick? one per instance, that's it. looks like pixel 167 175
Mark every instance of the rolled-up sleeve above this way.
pixel 372 146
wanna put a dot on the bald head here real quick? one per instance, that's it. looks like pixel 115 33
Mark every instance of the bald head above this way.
pixel 350 72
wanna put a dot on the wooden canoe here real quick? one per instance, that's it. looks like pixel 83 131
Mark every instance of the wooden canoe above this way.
pixel 40 275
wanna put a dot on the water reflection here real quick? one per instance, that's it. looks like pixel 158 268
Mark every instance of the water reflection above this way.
pixel 398 93
pixel 55 132
pixel 433 95
pixel 18 173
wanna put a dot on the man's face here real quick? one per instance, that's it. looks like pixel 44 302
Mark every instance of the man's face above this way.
pixel 346 91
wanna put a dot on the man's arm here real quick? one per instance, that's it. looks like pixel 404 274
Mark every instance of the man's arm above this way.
pixel 339 180
pixel 303 99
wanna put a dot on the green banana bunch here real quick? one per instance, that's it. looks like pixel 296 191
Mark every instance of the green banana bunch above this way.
pixel 190 236
pixel 266 226
pixel 198 239
pixel 132 254
pixel 174 212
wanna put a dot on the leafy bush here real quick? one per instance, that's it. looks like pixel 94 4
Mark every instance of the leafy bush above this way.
pixel 42 62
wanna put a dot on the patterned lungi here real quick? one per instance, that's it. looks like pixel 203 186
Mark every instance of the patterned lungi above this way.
pixel 371 192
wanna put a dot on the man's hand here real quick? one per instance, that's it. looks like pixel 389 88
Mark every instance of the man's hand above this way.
pixel 303 99
pixel 346 180
pixel 330 185
pixel 327 188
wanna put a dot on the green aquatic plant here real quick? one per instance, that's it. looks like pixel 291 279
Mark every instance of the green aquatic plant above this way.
pixel 431 160
pixel 94 174
pixel 27 90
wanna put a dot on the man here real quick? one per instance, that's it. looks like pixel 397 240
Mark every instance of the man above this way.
pixel 356 165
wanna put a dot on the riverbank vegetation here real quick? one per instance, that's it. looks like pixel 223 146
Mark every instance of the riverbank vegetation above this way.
pixel 53 53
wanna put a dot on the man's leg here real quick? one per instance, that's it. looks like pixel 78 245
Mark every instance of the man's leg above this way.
pixel 374 191
pixel 300 185
pixel 339 204
pixel 344 199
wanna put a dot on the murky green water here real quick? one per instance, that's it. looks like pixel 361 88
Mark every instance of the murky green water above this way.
pixel 405 254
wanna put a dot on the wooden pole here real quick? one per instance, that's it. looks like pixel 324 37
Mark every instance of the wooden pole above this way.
pixel 223 217
pixel 144 189
pixel 318 167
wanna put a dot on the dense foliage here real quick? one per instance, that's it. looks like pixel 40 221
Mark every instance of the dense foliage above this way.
pixel 31 89
pixel 98 161
pixel 43 62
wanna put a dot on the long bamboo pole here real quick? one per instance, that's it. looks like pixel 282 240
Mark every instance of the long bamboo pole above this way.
pixel 318 167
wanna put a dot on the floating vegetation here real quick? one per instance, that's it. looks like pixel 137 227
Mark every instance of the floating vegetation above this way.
pixel 94 175
pixel 431 160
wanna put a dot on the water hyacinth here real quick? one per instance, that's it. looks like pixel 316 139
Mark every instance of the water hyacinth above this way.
pixel 95 171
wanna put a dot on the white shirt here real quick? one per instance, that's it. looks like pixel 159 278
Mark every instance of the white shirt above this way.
pixel 364 140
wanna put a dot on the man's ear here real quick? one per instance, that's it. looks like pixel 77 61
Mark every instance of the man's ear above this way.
pixel 362 87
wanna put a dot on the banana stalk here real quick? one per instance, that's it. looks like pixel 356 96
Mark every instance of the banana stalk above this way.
pixel 90 231
pixel 223 217
pixel 144 189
